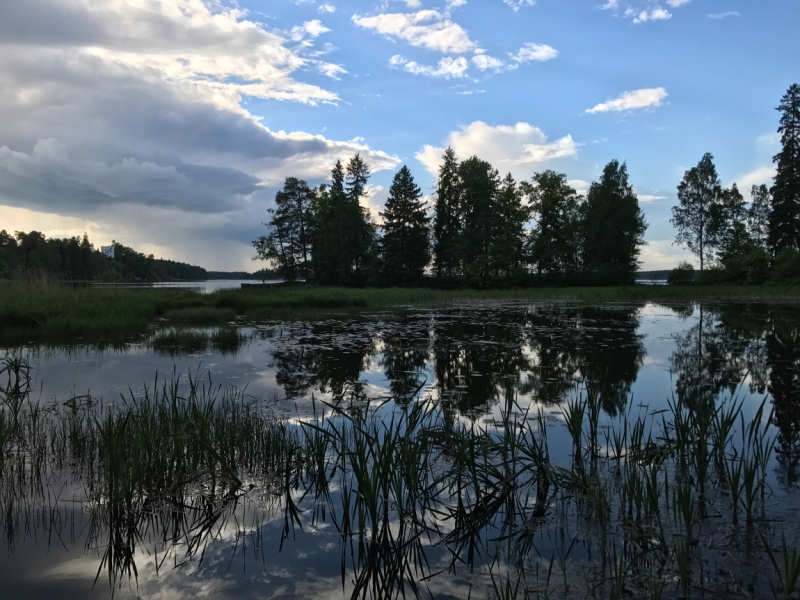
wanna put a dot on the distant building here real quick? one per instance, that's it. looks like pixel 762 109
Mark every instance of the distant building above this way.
pixel 108 251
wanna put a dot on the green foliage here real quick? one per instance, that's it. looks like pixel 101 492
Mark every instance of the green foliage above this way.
pixel 288 244
pixel 405 243
pixel 787 265
pixel 506 249
pixel 480 185
pixel 696 218
pixel 784 220
pixel 447 218
pixel 554 245
pixel 613 227
pixel 344 242
pixel 683 273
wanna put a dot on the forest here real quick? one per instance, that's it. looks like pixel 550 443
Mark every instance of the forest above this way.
pixel 480 229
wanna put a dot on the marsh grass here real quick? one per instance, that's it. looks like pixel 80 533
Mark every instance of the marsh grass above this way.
pixel 178 341
pixel 49 312
pixel 414 493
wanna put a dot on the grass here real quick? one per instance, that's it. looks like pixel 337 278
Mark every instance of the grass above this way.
pixel 27 312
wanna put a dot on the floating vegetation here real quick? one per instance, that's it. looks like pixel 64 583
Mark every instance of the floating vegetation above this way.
pixel 416 494
pixel 175 341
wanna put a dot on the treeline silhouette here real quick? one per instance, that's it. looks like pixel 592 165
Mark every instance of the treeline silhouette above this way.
pixel 485 231
pixel 33 255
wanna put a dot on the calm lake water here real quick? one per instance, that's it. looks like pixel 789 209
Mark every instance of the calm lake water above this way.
pixel 472 361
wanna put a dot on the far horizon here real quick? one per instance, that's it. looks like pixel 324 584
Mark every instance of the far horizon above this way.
pixel 173 133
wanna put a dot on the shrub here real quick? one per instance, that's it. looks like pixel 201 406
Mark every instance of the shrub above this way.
pixel 682 274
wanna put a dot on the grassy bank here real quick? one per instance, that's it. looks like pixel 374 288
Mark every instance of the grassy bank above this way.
pixel 26 312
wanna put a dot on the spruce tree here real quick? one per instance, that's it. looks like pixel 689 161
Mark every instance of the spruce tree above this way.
pixel 447 218
pixel 758 214
pixel 613 226
pixel 784 220
pixel 405 243
pixel 697 215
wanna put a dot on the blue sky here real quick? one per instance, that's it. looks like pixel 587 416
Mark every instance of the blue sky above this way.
pixel 168 125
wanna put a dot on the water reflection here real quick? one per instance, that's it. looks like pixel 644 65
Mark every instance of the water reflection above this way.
pixel 236 487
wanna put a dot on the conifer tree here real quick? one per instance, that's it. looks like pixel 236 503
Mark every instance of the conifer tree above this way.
pixel 447 223
pixel 405 243
pixel 613 226
pixel 697 215
pixel 784 220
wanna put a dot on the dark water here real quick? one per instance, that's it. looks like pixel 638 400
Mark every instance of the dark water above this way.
pixel 470 359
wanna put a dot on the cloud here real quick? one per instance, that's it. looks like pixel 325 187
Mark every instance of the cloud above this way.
pixel 677 3
pixel 724 15
pixel 426 28
pixel 448 67
pixel 535 52
pixel 310 29
pixel 484 62
pixel 517 4
pixel 513 148
pixel 144 130
pixel 644 98
pixel 610 5
pixel 649 197
pixel 326 8
pixel 755 177
pixel 455 3
pixel 653 14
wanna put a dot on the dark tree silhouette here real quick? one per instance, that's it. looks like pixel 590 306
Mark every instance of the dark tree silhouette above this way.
pixel 405 243
pixel 480 184
pixel 447 218
pixel 613 226
pixel 784 220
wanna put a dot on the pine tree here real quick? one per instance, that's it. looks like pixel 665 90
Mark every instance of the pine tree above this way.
pixel 554 246
pixel 405 243
pixel 288 244
pixel 613 226
pixel 784 220
pixel 447 218
pixel 697 216
pixel 361 229
pixel 479 184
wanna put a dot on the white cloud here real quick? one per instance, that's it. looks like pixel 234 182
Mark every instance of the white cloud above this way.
pixel 649 197
pixel 448 67
pixel 514 148
pixel 755 177
pixel 662 254
pixel 326 8
pixel 677 3
pixel 455 3
pixel 310 29
pixel 724 15
pixel 485 62
pixel 426 28
pixel 610 5
pixel 644 98
pixel 517 4
pixel 535 52
pixel 653 14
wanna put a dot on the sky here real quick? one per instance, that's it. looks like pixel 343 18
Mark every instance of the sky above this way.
pixel 168 125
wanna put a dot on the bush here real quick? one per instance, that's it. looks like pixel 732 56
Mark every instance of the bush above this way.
pixel 787 265
pixel 682 274
pixel 752 267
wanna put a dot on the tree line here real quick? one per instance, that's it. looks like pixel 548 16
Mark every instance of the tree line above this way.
pixel 484 231
pixel 744 242
pixel 24 255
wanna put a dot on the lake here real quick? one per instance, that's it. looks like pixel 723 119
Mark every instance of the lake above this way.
pixel 483 449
